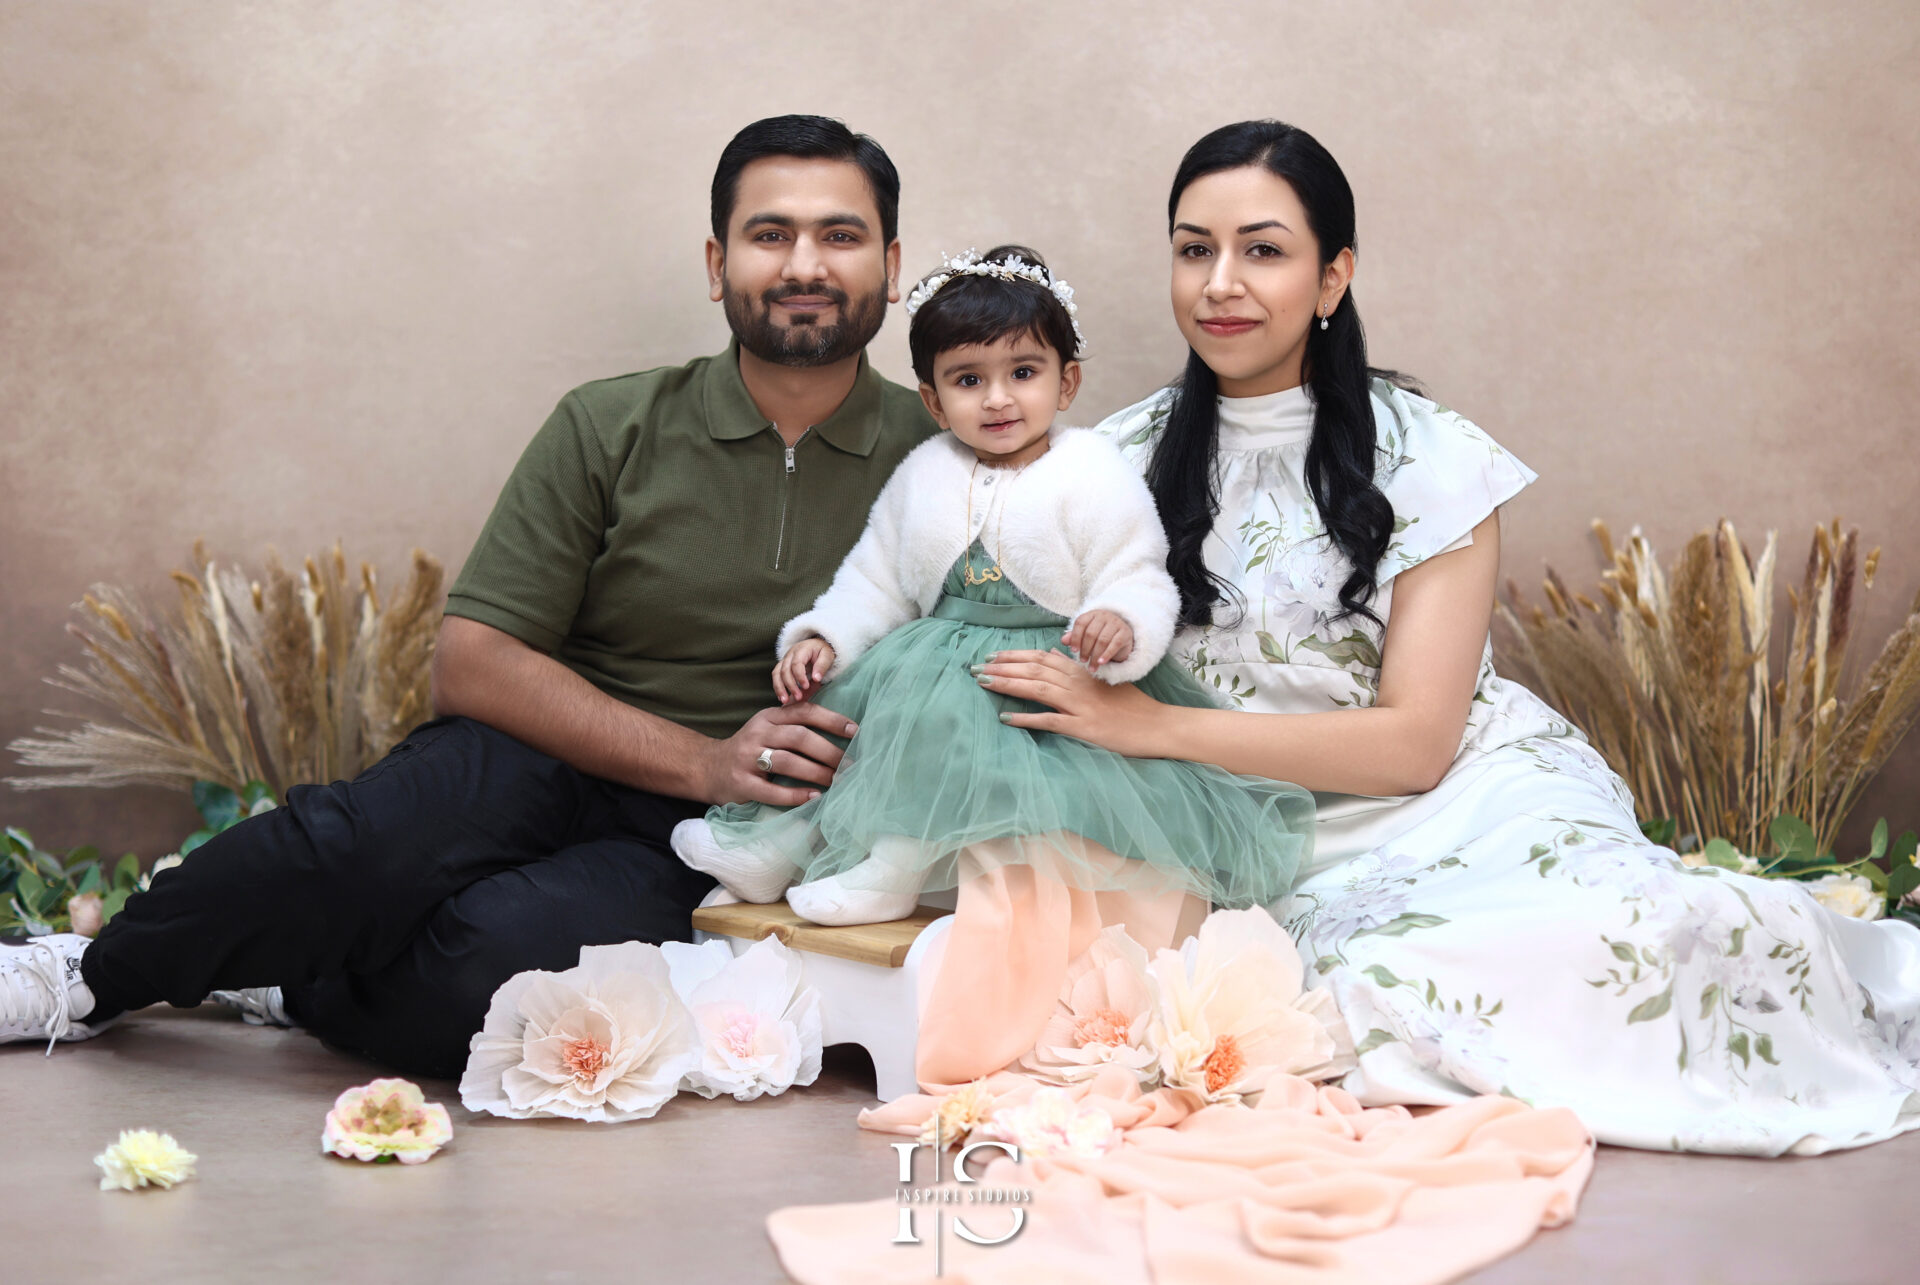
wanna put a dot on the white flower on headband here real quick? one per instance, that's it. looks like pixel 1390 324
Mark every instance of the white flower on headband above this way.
pixel 1014 268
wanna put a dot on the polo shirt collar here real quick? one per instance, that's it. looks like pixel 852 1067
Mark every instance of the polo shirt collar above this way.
pixel 854 426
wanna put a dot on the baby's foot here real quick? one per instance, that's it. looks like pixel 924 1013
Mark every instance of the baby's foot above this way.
pixel 843 899
pixel 749 874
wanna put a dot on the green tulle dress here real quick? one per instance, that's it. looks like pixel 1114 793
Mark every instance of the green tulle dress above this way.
pixel 935 788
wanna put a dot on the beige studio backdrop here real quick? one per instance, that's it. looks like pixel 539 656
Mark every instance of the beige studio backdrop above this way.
pixel 277 273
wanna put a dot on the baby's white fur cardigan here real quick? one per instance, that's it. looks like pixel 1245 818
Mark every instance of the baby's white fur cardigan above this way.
pixel 1079 533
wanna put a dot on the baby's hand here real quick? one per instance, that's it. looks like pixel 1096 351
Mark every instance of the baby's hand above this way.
pixel 798 674
pixel 1098 637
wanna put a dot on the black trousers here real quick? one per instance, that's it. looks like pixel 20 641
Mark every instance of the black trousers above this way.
pixel 390 908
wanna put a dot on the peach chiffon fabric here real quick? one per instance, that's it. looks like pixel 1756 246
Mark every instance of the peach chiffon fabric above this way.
pixel 1306 1188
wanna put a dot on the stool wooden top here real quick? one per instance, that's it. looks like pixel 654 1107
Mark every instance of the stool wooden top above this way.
pixel 885 945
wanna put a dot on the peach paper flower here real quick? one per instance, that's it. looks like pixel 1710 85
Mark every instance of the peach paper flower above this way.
pixel 86 912
pixel 958 1114
pixel 1231 1011
pixel 143 1158
pixel 606 1040
pixel 758 1025
pixel 386 1120
pixel 1104 1015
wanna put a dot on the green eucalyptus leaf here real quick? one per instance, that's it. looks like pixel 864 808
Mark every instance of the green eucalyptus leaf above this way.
pixel 254 793
pixel 111 903
pixel 1661 831
pixel 1737 1045
pixel 89 882
pixel 1877 846
pixel 1719 852
pixel 1902 852
pixel 1902 880
pixel 219 805
pixel 194 840
pixel 127 872
pixel 1793 841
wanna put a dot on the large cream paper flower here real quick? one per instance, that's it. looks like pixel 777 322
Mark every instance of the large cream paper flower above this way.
pixel 607 1040
pixel 1104 1016
pixel 1230 1010
pixel 758 1024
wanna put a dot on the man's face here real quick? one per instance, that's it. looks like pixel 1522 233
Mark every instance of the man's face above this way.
pixel 804 275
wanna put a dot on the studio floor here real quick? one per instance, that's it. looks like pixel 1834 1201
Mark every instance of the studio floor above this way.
pixel 682 1198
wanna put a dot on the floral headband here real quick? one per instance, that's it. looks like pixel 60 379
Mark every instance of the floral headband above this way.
pixel 970 264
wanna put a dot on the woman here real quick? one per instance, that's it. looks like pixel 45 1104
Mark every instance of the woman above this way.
pixel 1481 903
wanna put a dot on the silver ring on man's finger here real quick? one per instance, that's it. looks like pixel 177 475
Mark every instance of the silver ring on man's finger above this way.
pixel 764 761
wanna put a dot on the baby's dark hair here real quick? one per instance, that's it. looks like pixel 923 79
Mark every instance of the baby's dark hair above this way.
pixel 972 309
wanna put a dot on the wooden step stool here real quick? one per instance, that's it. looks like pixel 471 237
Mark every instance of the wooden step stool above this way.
pixel 872 978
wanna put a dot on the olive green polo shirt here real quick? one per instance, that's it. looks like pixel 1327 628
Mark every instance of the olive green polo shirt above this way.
pixel 657 532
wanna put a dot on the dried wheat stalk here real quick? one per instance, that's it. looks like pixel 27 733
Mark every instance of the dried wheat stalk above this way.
pixel 1673 679
pixel 292 678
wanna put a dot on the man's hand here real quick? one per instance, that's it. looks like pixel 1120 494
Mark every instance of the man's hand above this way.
pixel 732 775
pixel 798 674
pixel 1098 637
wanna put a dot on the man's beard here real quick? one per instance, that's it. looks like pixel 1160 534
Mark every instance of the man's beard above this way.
pixel 804 342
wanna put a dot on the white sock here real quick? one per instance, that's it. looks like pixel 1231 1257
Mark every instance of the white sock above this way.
pixel 870 893
pixel 748 874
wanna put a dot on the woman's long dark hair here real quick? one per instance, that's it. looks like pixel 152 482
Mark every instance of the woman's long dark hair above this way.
pixel 1340 454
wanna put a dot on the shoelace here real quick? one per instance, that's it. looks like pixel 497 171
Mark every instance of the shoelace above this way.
pixel 40 964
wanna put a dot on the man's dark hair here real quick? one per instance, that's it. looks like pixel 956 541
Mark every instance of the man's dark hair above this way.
pixel 984 310
pixel 810 138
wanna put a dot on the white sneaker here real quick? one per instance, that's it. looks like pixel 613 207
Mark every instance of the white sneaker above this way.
pixel 746 873
pixel 41 994
pixel 257 1005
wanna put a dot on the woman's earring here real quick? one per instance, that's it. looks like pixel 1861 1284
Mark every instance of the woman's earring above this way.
pixel 1323 319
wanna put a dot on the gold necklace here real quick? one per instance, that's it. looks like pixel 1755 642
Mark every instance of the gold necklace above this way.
pixel 993 572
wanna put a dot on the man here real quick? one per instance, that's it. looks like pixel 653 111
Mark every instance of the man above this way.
pixel 601 674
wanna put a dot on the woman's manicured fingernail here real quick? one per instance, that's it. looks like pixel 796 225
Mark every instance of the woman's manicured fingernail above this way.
pixel 986 680
pixel 851 729
pixel 976 670
pixel 1006 718
pixel 812 795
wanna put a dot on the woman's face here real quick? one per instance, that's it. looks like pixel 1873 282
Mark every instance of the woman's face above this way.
pixel 1247 279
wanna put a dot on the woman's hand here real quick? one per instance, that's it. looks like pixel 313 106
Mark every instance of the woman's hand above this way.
pixel 800 672
pixel 1115 717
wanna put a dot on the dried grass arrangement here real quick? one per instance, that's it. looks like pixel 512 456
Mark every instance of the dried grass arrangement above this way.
pixel 301 676
pixel 1715 717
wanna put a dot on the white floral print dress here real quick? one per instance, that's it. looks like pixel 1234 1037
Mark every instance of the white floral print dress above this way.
pixel 1512 931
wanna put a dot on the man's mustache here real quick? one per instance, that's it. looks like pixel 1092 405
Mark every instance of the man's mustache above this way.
pixel 828 293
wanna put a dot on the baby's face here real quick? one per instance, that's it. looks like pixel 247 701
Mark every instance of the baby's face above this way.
pixel 1000 398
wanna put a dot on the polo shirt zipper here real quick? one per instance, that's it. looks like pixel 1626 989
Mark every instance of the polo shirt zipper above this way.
pixel 786 497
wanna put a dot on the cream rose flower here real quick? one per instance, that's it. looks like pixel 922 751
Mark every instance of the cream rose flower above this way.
pixel 143 1158
pixel 1104 1016
pixel 606 1040
pixel 1230 1010
pixel 386 1120
pixel 758 1024
pixel 86 912
pixel 1053 1123
pixel 957 1115
pixel 1850 895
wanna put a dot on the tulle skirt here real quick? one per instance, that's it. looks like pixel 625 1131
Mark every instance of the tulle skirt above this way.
pixel 934 788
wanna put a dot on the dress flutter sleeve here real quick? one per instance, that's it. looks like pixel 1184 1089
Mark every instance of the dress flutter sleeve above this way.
pixel 1442 474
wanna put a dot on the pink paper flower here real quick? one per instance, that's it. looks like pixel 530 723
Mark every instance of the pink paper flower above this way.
pixel 386 1120
pixel 758 1024
pixel 1104 1016
pixel 606 1040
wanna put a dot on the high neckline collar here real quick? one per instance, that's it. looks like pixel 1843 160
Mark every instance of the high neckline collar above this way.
pixel 1284 418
